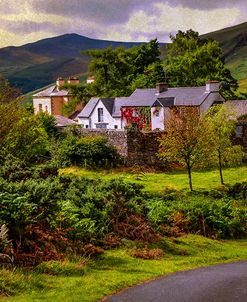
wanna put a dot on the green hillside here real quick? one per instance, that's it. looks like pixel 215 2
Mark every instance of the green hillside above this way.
pixel 38 64
pixel 233 41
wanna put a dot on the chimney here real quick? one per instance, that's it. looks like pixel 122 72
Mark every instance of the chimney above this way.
pixel 212 86
pixel 90 79
pixel 161 87
pixel 73 81
pixel 60 82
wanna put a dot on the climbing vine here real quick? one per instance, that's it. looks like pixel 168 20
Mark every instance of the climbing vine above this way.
pixel 139 117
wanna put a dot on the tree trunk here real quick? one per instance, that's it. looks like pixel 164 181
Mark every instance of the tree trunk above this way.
pixel 189 176
pixel 220 167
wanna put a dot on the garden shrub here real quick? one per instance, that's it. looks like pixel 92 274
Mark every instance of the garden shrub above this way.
pixel 86 152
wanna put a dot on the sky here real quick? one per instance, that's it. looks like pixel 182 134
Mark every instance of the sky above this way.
pixel 24 21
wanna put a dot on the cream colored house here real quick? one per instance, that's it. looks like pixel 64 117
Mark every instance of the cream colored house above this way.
pixel 52 99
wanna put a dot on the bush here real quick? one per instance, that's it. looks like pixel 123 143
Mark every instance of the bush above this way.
pixel 86 152
pixel 223 217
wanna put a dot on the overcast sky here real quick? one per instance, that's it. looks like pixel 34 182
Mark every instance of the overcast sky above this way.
pixel 23 21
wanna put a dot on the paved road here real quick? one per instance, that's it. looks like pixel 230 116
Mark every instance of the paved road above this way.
pixel 219 283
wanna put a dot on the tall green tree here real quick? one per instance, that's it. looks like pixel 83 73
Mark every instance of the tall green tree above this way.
pixel 119 71
pixel 222 126
pixel 192 60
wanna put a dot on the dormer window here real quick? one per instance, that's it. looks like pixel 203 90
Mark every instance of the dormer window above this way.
pixel 100 115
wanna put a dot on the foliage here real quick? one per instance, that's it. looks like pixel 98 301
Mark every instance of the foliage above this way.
pixel 118 72
pixel 27 139
pixel 186 139
pixel 8 94
pixel 86 152
pixel 81 94
pixel 49 124
pixel 21 133
pixel 208 216
pixel 192 60
pixel 221 125
pixel 137 117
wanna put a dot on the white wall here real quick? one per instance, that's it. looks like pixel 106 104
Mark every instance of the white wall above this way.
pixel 92 121
pixel 157 121
pixel 45 102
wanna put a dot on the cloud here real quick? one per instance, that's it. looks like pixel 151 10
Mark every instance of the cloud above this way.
pixel 125 20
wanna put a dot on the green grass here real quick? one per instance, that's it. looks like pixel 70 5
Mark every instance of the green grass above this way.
pixel 116 269
pixel 156 182
pixel 243 85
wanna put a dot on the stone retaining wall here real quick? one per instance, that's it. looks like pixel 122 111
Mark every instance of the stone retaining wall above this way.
pixel 140 147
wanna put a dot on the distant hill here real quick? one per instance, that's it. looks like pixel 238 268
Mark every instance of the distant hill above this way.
pixel 38 64
pixel 233 41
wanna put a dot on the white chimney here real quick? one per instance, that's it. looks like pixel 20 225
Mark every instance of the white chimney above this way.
pixel 90 79
pixel 73 81
pixel 60 82
pixel 212 86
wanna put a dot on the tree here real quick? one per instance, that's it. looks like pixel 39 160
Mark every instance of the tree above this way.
pixel 81 94
pixel 21 133
pixel 192 60
pixel 8 94
pixel 49 123
pixel 152 75
pixel 27 138
pixel 186 139
pixel 119 71
pixel 9 108
pixel 221 125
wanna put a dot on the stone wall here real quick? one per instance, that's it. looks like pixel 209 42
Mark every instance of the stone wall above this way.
pixel 140 147
pixel 137 148
pixel 241 135
pixel 143 148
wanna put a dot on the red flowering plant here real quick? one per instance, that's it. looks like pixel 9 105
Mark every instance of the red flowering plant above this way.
pixel 139 117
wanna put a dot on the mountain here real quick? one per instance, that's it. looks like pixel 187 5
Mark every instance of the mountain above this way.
pixel 37 64
pixel 233 41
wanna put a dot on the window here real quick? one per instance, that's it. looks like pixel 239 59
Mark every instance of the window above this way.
pixel 100 115
pixel 115 127
pixel 135 113
pixel 86 126
pixel 46 109
pixel 157 113
pixel 101 126
pixel 40 108
pixel 239 132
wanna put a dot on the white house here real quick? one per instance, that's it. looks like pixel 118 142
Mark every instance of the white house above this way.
pixel 107 113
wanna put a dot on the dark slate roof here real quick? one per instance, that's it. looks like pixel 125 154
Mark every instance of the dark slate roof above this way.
pixel 51 91
pixel 62 121
pixel 238 107
pixel 164 102
pixel 109 104
pixel 88 109
pixel 118 104
pixel 183 96
pixel 180 96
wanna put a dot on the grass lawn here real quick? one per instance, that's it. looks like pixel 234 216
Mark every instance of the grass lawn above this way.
pixel 116 269
pixel 156 182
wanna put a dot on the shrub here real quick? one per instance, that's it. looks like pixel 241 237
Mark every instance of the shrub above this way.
pixel 86 152
pixel 147 253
